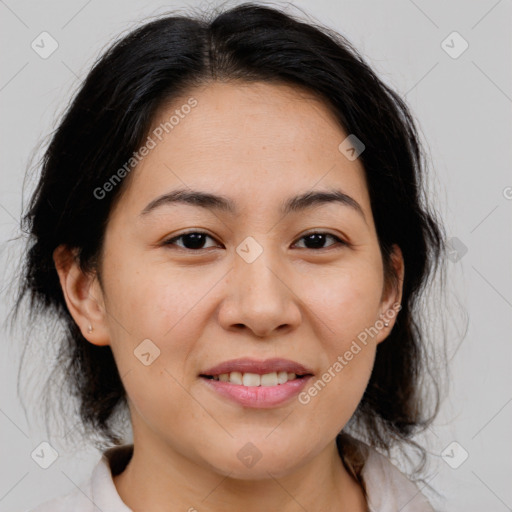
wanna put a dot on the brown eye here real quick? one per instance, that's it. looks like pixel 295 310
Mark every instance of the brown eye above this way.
pixel 316 240
pixel 193 240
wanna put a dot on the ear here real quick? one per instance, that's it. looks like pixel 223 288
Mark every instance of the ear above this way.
pixel 83 295
pixel 391 295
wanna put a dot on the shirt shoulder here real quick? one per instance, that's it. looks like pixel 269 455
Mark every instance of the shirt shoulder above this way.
pixel 389 489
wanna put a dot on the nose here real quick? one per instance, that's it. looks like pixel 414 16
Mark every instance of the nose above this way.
pixel 260 298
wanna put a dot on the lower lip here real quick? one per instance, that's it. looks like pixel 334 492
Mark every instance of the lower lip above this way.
pixel 260 397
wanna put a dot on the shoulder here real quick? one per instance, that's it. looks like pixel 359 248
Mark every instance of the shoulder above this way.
pixel 389 489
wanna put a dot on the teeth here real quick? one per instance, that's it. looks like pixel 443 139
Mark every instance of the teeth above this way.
pixel 269 379
pixel 235 378
pixel 251 379
pixel 282 377
pixel 254 379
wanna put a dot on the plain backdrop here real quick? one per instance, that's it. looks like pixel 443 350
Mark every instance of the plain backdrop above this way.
pixel 451 61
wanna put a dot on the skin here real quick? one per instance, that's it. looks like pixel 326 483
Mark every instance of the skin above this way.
pixel 258 144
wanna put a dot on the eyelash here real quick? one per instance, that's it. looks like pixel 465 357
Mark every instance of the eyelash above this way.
pixel 341 242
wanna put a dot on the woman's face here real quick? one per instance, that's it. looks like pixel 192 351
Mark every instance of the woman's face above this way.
pixel 254 285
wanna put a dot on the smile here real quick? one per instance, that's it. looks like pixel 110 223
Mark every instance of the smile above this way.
pixel 253 393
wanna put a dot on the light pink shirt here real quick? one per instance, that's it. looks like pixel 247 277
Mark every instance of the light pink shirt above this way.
pixel 388 489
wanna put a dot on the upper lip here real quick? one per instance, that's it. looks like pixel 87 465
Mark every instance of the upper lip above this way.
pixel 247 365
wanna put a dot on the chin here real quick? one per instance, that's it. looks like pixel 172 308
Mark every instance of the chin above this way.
pixel 260 471
pixel 252 463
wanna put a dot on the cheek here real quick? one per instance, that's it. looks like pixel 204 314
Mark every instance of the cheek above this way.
pixel 161 400
pixel 156 316
pixel 346 299
pixel 152 300
pixel 173 320
pixel 345 305
pixel 334 394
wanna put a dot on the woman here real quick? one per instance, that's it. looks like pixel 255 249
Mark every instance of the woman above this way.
pixel 229 224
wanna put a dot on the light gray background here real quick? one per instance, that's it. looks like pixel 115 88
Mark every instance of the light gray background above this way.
pixel 463 108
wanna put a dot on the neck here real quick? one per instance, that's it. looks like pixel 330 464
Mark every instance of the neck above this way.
pixel 158 479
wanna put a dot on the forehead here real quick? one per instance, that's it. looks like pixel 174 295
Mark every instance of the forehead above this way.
pixel 257 142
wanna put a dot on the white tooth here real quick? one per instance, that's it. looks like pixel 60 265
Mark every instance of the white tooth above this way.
pixel 269 379
pixel 282 377
pixel 251 379
pixel 235 378
pixel 254 379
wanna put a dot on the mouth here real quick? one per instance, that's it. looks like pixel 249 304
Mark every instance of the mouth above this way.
pixel 257 384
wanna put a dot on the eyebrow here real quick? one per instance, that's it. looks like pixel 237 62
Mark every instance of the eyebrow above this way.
pixel 210 201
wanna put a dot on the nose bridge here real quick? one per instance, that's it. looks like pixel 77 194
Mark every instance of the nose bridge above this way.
pixel 255 270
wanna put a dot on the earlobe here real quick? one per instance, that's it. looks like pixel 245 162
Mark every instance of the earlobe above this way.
pixel 83 296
